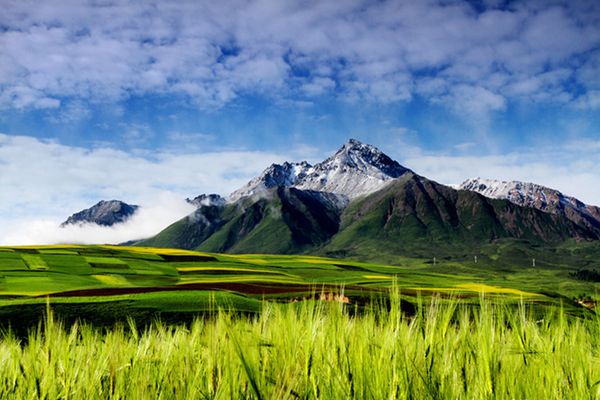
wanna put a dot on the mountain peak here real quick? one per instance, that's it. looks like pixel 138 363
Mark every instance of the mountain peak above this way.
pixel 105 213
pixel 354 170
pixel 354 146
pixel 361 156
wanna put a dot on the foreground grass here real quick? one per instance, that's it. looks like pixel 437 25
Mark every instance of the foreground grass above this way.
pixel 316 350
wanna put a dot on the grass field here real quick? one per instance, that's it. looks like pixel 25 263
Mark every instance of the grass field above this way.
pixel 316 350
pixel 109 283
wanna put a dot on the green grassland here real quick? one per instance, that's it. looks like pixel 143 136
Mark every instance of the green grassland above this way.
pixel 315 350
pixel 109 283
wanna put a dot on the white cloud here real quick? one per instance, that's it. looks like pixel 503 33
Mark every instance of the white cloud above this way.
pixel 465 146
pixel 318 86
pixel 213 52
pixel 73 111
pixel 147 221
pixel 43 182
pixel 590 100
pixel 473 101
pixel 136 134
pixel 19 97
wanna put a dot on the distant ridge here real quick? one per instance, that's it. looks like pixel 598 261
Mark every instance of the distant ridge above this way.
pixel 528 194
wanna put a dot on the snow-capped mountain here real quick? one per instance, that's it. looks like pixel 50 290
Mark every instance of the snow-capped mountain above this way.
pixel 354 170
pixel 353 202
pixel 286 174
pixel 536 196
pixel 106 213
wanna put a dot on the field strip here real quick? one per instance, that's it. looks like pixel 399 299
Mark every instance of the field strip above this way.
pixel 160 251
pixel 377 277
pixel 209 268
pixel 233 279
pixel 110 279
pixel 480 287
pixel 25 294
pixel 477 288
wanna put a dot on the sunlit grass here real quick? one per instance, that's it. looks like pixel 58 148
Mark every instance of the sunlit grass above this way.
pixel 263 279
pixel 476 288
pixel 112 280
pixel 34 263
pixel 483 288
pixel 159 250
pixel 309 350
pixel 219 268
pixel 377 277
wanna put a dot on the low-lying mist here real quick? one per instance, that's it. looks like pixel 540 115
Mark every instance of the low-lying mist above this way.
pixel 150 219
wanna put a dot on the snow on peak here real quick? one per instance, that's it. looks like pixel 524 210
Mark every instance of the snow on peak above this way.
pixel 354 170
pixel 522 193
pixel 536 196
pixel 286 174
pixel 366 158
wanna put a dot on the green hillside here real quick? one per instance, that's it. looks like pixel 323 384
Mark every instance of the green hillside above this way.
pixel 419 217
pixel 285 221
pixel 412 217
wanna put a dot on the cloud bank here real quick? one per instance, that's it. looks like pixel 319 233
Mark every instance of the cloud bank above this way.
pixel 147 221
pixel 43 182
pixel 472 57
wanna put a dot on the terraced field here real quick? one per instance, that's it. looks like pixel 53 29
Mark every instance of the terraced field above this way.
pixel 109 283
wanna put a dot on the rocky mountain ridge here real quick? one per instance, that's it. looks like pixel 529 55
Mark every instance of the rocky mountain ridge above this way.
pixel 536 196
pixel 104 213
pixel 355 170
pixel 207 200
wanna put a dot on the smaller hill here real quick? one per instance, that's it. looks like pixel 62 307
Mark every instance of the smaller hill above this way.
pixel 105 213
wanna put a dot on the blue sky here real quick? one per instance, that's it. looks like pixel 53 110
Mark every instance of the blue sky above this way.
pixel 185 97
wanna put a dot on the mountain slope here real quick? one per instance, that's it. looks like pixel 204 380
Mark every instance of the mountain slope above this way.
pixel 105 213
pixel 283 220
pixel 416 216
pixel 539 197
pixel 190 231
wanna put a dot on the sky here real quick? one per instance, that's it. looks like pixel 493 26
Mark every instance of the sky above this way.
pixel 153 102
